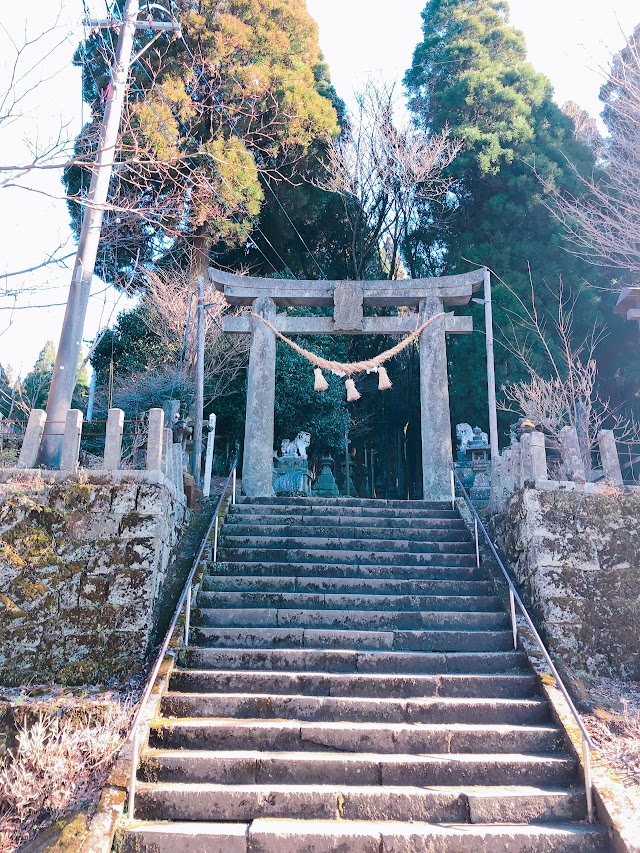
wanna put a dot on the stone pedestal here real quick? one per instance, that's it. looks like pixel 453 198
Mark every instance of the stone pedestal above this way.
pixel 257 466
pixel 326 486
pixel 437 454
pixel 291 476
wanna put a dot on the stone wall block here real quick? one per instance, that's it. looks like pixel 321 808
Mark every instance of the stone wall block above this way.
pixel 85 582
pixel 577 557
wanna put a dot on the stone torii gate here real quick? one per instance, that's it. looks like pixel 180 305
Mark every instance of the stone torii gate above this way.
pixel 427 296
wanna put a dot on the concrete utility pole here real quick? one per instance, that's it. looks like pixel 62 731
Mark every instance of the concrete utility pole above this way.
pixel 64 374
pixel 196 453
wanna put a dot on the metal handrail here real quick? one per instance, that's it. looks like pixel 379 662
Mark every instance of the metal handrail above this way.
pixel 514 598
pixel 184 601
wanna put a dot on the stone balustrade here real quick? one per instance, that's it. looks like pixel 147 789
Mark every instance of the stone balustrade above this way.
pixel 163 458
pixel 527 462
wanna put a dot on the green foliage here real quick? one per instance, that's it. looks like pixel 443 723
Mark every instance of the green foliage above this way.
pixel 35 388
pixel 299 407
pixel 247 96
pixel 470 73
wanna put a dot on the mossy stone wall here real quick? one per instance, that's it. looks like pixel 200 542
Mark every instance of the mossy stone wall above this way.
pixel 82 569
pixel 578 559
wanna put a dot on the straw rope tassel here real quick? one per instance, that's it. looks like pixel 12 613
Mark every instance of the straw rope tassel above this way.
pixel 352 392
pixel 384 383
pixel 320 383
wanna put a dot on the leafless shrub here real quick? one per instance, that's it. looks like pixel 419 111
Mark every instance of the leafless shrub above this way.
pixel 59 764
pixel 384 171
pixel 169 312
pixel 565 393
pixel 603 224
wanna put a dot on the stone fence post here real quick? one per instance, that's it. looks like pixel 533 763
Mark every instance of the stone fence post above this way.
pixel 526 469
pixel 571 454
pixel 71 440
pixel 167 454
pixel 538 457
pixel 113 440
pixel 33 435
pixel 609 457
pixel 155 440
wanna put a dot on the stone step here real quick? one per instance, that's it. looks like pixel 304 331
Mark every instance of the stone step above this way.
pixel 343 502
pixel 237 767
pixel 266 585
pixel 381 531
pixel 302 518
pixel 347 619
pixel 293 736
pixel 431 570
pixel 352 558
pixel 318 638
pixel 350 602
pixel 366 641
pixel 370 685
pixel 267 706
pixel 299 540
pixel 335 660
pixel 342 836
pixel 444 804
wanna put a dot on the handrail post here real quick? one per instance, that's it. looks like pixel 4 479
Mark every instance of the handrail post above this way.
pixel 453 489
pixel 514 623
pixel 134 772
pixel 233 488
pixel 215 540
pixel 475 533
pixel 187 617
pixel 588 785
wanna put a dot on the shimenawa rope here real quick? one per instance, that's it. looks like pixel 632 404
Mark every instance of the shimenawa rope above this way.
pixel 348 369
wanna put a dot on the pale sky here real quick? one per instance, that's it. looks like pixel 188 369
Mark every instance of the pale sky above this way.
pixel 569 40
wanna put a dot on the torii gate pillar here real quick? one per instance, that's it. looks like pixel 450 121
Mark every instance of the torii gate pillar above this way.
pixel 257 465
pixel 435 420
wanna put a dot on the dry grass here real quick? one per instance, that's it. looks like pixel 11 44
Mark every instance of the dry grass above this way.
pixel 62 760
pixel 614 725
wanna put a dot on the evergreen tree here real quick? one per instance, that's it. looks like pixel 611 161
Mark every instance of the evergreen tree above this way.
pixel 470 73
pixel 240 99
pixel 35 388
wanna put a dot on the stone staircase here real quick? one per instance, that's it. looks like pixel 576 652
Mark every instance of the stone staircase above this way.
pixel 352 686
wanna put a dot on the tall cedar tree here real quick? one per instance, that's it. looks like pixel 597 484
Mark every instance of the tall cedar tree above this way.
pixel 246 98
pixel 470 73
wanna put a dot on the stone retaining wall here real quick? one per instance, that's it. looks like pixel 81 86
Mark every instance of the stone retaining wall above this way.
pixel 578 558
pixel 83 565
